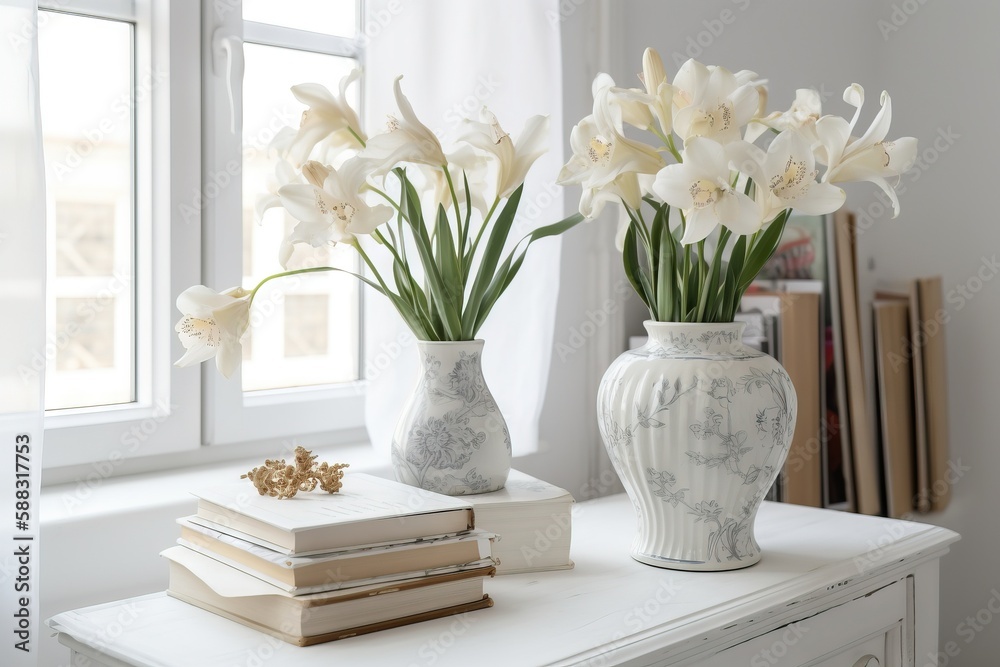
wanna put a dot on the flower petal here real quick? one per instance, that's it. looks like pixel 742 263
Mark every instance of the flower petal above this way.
pixel 821 198
pixel 739 213
pixel 673 185
pixel 700 223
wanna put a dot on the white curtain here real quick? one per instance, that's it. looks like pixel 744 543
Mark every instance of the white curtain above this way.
pixel 456 56
pixel 22 327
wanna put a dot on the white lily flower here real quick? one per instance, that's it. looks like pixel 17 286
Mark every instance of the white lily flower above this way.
pixel 658 89
pixel 600 156
pixel 476 168
pixel 513 159
pixel 329 118
pixel 801 116
pixel 406 139
pixel 866 158
pixel 711 103
pixel 785 176
pixel 213 326
pixel 329 211
pixel 284 174
pixel 700 186
pixel 625 188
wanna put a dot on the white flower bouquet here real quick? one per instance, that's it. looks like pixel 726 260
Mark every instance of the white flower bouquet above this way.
pixel 444 219
pixel 704 208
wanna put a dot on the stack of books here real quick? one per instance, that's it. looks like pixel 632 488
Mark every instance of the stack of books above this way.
pixel 532 521
pixel 319 567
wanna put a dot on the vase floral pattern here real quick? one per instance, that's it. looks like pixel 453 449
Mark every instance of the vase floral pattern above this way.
pixel 697 426
pixel 451 438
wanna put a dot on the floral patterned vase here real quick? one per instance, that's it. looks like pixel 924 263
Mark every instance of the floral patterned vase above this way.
pixel 451 438
pixel 697 426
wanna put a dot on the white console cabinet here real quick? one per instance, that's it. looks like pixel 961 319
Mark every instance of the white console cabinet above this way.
pixel 832 590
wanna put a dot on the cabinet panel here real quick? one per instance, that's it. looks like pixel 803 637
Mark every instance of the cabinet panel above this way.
pixel 875 624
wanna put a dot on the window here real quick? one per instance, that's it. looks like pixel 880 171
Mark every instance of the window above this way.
pixel 301 371
pixel 149 178
pixel 90 176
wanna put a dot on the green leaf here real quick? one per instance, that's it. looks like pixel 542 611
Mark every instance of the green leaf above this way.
pixel 468 215
pixel 733 272
pixel 765 246
pixel 440 302
pixel 633 271
pixel 491 257
pixel 447 257
pixel 666 253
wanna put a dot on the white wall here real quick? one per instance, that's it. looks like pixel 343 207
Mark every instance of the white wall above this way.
pixel 940 68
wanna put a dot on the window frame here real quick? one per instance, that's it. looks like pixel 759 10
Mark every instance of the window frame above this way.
pixel 164 417
pixel 330 414
pixel 183 236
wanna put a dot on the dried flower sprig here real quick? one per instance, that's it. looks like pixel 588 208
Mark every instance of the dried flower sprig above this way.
pixel 280 480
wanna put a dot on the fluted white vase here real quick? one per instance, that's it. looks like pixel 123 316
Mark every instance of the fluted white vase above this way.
pixel 698 426
pixel 451 437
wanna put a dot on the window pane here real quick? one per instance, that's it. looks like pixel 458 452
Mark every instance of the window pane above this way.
pixel 85 72
pixel 330 17
pixel 305 329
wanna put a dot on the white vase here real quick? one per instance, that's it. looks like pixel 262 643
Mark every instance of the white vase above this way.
pixel 698 426
pixel 451 438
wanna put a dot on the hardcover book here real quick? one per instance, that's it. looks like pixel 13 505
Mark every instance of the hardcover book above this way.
pixel 320 617
pixel 368 510
pixel 533 522
pixel 340 569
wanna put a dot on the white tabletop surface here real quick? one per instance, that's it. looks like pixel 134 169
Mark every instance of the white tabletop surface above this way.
pixel 605 611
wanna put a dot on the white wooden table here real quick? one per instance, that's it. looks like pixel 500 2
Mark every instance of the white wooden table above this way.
pixel 832 589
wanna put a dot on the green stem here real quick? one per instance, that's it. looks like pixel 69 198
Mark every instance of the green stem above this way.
pixel 378 234
pixel 702 287
pixel 486 221
pixel 314 269
pixel 357 136
pixel 673 150
pixel 388 199
pixel 371 267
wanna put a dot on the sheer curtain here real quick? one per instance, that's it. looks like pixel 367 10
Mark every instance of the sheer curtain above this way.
pixel 456 56
pixel 22 302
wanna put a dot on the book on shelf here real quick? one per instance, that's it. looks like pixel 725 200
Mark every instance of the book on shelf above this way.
pixel 320 617
pixel 864 451
pixel 894 383
pixel 533 522
pixel 366 511
pixel 796 307
pixel 926 353
pixel 340 569
pixel 932 316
